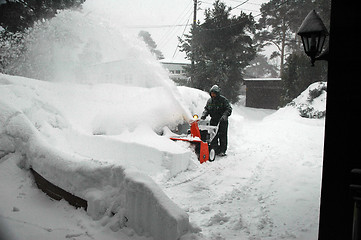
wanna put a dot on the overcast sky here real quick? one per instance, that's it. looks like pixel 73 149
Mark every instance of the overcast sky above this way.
pixel 161 18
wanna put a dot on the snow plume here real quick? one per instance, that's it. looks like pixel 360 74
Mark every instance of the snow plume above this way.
pixel 77 46
pixel 90 47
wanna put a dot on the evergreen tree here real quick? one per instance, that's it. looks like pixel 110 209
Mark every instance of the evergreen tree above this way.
pixel 14 16
pixel 221 48
pixel 298 74
pixel 260 67
pixel 279 24
pixel 147 38
pixel 18 15
pixel 17 18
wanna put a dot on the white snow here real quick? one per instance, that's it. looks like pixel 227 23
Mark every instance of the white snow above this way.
pixel 268 187
pixel 95 129
pixel 42 128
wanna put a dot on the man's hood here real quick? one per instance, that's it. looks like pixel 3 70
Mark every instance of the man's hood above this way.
pixel 215 89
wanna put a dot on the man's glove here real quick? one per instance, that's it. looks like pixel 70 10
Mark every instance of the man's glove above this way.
pixel 224 118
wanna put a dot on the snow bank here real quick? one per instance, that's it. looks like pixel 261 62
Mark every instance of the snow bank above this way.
pixel 59 132
pixel 149 210
pixel 194 99
pixel 97 119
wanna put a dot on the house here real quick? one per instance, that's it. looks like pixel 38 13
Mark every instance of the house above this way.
pixel 263 92
pixel 177 71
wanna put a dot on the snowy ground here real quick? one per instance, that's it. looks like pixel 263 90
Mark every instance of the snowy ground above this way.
pixel 267 187
pixel 103 105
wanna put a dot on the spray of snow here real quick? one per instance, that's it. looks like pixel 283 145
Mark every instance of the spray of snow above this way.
pixel 89 47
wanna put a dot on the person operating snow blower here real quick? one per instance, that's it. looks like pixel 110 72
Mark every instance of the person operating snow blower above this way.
pixel 219 109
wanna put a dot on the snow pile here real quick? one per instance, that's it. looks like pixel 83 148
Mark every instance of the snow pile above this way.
pixel 267 187
pixel 150 211
pixel 80 138
pixel 312 102
pixel 194 99
pixel 98 118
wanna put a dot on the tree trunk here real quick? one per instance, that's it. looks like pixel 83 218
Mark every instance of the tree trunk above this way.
pixel 283 45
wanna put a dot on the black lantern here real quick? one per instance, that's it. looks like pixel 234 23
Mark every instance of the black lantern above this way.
pixel 313 33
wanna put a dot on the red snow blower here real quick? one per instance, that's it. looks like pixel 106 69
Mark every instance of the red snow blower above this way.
pixel 201 136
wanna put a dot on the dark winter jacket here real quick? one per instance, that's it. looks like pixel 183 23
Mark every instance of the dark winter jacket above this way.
pixel 217 107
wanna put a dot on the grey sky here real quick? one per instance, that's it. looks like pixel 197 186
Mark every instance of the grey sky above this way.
pixel 164 19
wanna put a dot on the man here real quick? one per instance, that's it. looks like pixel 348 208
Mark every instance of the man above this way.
pixel 219 109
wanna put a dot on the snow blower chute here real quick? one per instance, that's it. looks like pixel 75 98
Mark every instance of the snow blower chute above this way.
pixel 201 136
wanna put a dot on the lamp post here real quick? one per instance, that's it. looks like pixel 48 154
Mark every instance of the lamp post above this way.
pixel 313 33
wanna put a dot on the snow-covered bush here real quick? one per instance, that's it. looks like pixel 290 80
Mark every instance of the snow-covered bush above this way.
pixel 316 92
pixel 312 102
pixel 307 111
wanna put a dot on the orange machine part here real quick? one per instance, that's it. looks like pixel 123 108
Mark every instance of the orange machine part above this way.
pixel 195 130
pixel 204 152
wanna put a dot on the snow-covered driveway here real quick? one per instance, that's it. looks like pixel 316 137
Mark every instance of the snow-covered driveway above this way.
pixel 267 187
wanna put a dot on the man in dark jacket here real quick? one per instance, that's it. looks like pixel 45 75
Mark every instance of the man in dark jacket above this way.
pixel 219 109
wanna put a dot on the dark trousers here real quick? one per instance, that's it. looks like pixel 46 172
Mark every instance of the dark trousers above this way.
pixel 220 141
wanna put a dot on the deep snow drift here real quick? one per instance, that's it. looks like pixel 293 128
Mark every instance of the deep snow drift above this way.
pixel 83 145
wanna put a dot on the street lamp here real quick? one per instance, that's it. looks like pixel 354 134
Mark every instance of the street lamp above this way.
pixel 313 33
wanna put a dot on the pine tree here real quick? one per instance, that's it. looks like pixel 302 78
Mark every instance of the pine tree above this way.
pixel 221 48
pixel 279 24
pixel 18 15
pixel 17 18
pixel 260 67
pixel 298 74
pixel 147 38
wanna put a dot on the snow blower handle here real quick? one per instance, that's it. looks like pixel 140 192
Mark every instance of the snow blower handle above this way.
pixel 215 132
